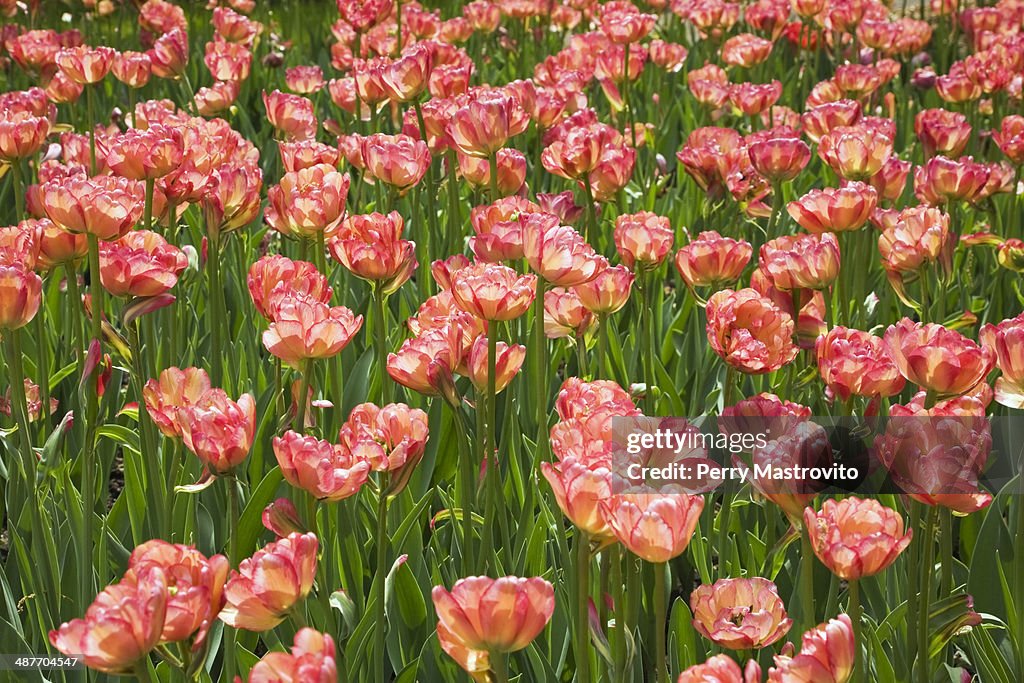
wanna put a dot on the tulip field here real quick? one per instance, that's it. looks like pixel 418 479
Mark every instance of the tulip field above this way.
pixel 546 341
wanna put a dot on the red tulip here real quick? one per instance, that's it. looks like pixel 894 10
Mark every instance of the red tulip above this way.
pixel 1010 138
pixel 169 54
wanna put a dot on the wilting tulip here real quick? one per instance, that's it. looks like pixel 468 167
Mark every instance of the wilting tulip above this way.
pixel 779 159
pixel 920 235
pixel 308 202
pixel 132 68
pixel 494 615
pixel 86 65
pixel 856 537
pixel 855 152
pixel 486 123
pixel 834 209
pixel 937 359
pixel 105 206
pixel 508 359
pixel 557 253
pixel 712 260
pixel 427 362
pixel 304 80
pixel 493 292
pixel 855 363
pixel 140 264
pixel 1006 342
pixel 325 470
pixel 20 296
pixel 653 527
pixel 579 487
pixel 311 661
pixel 273 278
pixel 22 135
pixel 291 115
pixel 801 261
pixel 511 171
pixel 195 586
pixel 608 292
pixel 827 655
pixel 218 430
pixel 396 160
pixel 231 199
pixel 941 180
pixel 304 329
pixel 270 583
pixel 174 389
pixel 371 247
pixel 721 669
pixel 643 239
pixel 121 625
pixel 740 614
pixel 749 332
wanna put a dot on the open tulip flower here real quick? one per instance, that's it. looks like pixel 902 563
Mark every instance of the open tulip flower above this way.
pixel 740 614
pixel 856 537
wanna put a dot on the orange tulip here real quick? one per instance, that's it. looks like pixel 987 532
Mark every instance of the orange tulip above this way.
pixel 174 389
pixel 856 537
pixel 304 80
pixel 779 159
pixel 920 235
pixel 140 264
pixel 855 363
pixel 132 68
pixel 938 359
pixel 371 247
pixel 740 614
pixel 721 669
pixel 653 527
pixel 942 132
pixel 391 439
pixel 169 54
pixel 299 154
pixel 308 202
pixel 407 77
pixel 272 279
pixel 105 206
pixel 643 240
pixel 712 260
pixel 508 359
pixel 86 65
pixel 305 329
pixel 270 583
pixel 834 209
pixel 427 362
pixel 826 655
pixel 941 180
pixel 485 124
pixel 820 120
pixel 231 199
pixel 579 487
pixel 855 152
pixel 558 253
pixel 22 134
pixel 495 615
pixel 608 292
pixel 20 296
pixel 801 261
pixel 291 115
pixel 749 332
pixel 396 160
pixel 326 471
pixel 218 430
pixel 1006 342
pixel 511 171
pixel 311 661
pixel 493 292
pixel 499 234
pixel 565 315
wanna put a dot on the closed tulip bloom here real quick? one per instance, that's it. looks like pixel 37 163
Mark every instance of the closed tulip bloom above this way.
pixel 753 98
pixel 218 430
pixel 486 123
pixel 270 583
pixel 308 202
pixel 22 135
pixel 746 50
pixel 371 247
pixel 834 209
pixel 613 172
pixel 740 614
pixel 920 235
pixel 499 234
pixel 20 244
pixel 941 180
pixel 144 154
pixel 856 537
pixel 104 206
pixel 140 264
pixel 1010 138
pixel 217 99
pixel 227 61
pixel 408 76
pixel 655 528
pixel 86 65
pixel 508 359
pixel 855 152
pixel 712 260
pixel 493 292
pixel 565 315
pixel 891 180
pixel 169 54
pixel 511 171
pixel 273 278
pixel 326 471
pixel 749 332
pixel 173 389
pixel 827 655
pixel 626 25
pixel 608 292
pixel 937 359
pixel 427 362
pixel 942 132
pixel 779 159
pixel 291 116
pixel 231 199
pixel 20 296
pixel 721 669
pixel 305 329
pixel 855 363
pixel 443 271
pixel 558 253
pixel 801 261
pixel 195 586
pixel 397 160
pixel 1006 342
pixel 58 246
pixel 121 625
pixel 311 660
pixel 132 68
pixel 579 487
pixel 496 615
pixel 304 80
pixel 668 56
pixel 643 239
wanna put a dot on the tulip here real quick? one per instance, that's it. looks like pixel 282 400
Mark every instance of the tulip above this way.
pixel 740 614
pixel 20 296
pixel 820 120
pixel 942 132
pixel 326 471
pixel 304 329
pixel 195 586
pixel 231 199
pixel 391 439
pixel 795 443
pixel 291 115
pixel 132 68
pixel 856 537
pixel 1006 342
pixel 834 209
pixel 121 625
pixel 396 160
pixel 826 655
pixel 508 359
pixel 612 173
pixel 426 363
pixel 499 235
pixel 920 235
pixel 274 278
pixel 779 159
pixel 712 260
pixel 140 264
pixel 656 528
pixel 579 399
pixel 557 253
pixel 86 65
pixel 579 487
pixel 511 171
pixel 721 669
pixel 1010 138
pixel 855 363
pixel 270 583
pixel 492 291
pixel 937 359
pixel 749 332
pixel 575 155
pixel 33 403
pixel 169 54
pixel 311 661
pixel 608 292
pixel 801 261
pixel 746 50
pixel 494 615
pixel 890 181
pixel 308 202
pixel 144 154
pixel 372 248
pixel 304 80
pixel 855 152
pixel 565 315
pixel 624 26
pixel 942 180
pixel 486 123
pixel 218 430
pixel 443 271
pixel 299 154
pixel 217 99
pixel 227 61
pixel 173 390
pixel 643 240
pixel 22 135
pixel 104 206
pixel 407 77
pixel 753 98
pixel 562 205
pixel 668 56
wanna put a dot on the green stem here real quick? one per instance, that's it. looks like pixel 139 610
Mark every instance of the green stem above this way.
pixel 490 438
pixel 215 307
pixel 19 190
pixel 499 667
pixel 927 569
pixel 142 671
pixel 591 228
pixel 454 209
pixel 807 580
pixel 380 339
pixel 92 415
pixel 492 166
pixel 147 215
pixel 616 635
pixel 540 352
pixel 466 472
pixel 650 293
pixel 582 624
pixel 946 530
pixel 150 456
pixel 92 129
pixel 913 576
pixel 42 370
pixel 854 612
pixel 380 620
pixel 300 408
pixel 660 618
pixel 230 635
pixel 602 346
